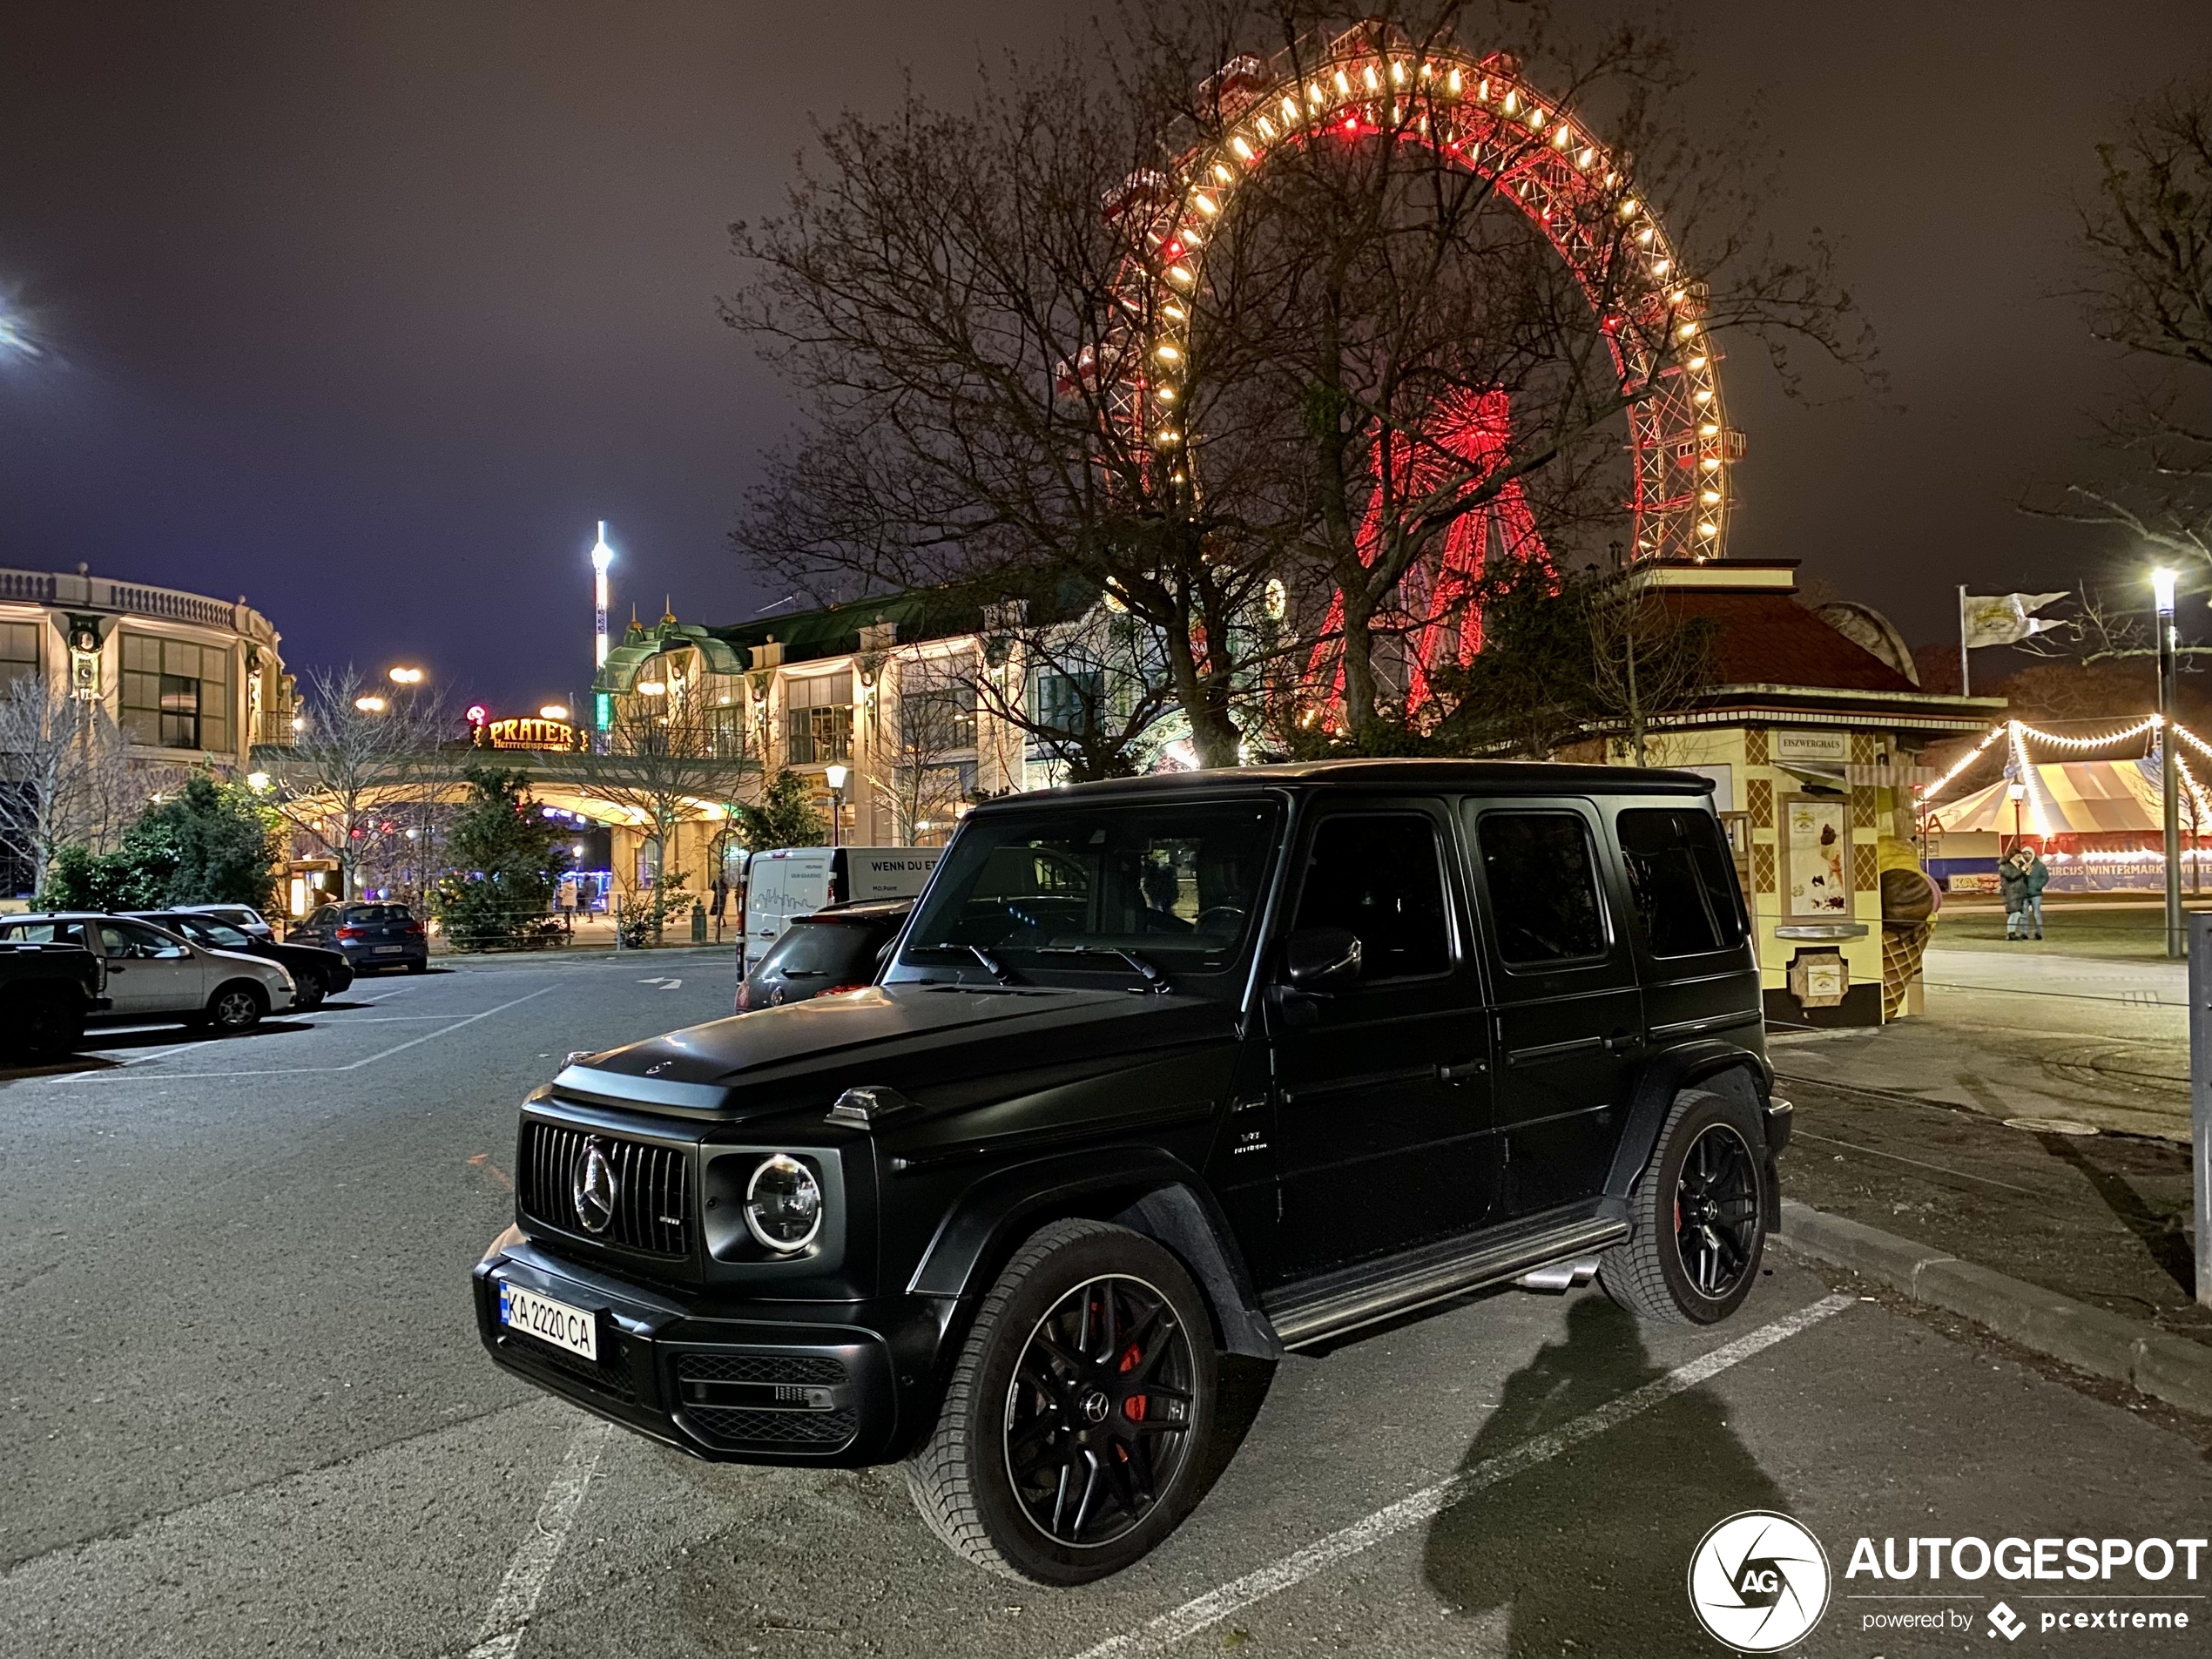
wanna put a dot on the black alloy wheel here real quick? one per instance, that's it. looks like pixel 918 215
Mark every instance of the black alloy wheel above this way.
pixel 1697 1218
pixel 1098 1414
pixel 308 991
pixel 1716 1211
pixel 236 1007
pixel 1072 1435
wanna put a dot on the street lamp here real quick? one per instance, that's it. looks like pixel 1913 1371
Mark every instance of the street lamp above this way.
pixel 2162 586
pixel 406 677
pixel 835 777
pixel 554 711
pixel 370 704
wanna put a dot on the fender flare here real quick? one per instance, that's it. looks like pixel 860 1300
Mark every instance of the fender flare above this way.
pixel 1143 1189
pixel 1666 1074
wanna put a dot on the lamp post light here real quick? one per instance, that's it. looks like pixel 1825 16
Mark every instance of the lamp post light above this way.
pixel 406 676
pixel 370 704
pixel 835 777
pixel 2161 584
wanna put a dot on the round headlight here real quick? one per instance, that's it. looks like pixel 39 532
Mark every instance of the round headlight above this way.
pixel 783 1204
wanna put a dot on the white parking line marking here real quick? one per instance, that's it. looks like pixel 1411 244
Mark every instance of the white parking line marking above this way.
pixel 508 1616
pixel 1239 1593
pixel 304 1071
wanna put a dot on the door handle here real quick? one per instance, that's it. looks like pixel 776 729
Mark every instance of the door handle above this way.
pixel 1460 1072
pixel 1621 1041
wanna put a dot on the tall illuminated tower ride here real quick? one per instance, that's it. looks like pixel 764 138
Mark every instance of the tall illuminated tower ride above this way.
pixel 602 556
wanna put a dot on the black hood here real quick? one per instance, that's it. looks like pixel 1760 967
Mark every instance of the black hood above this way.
pixel 945 1046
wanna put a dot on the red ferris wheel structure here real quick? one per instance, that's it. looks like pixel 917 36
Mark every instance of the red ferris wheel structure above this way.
pixel 1481 113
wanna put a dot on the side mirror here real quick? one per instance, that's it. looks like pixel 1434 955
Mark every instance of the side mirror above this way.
pixel 1322 959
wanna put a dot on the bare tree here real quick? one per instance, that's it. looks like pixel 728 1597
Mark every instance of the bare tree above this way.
pixel 1645 662
pixel 2145 238
pixel 357 773
pixel 669 760
pixel 932 721
pixel 66 777
pixel 962 318
pixel 945 293
pixel 1092 692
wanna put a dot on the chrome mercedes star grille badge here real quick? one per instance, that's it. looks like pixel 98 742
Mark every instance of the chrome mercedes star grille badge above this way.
pixel 593 1189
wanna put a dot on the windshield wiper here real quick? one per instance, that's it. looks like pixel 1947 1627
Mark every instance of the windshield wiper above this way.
pixel 1146 971
pixel 995 967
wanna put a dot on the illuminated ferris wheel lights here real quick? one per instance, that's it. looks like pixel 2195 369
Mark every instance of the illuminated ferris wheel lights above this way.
pixel 1710 463
pixel 1661 266
pixel 1643 237
pixel 1397 73
pixel 1243 151
pixel 1181 273
pixel 1266 127
pixel 1452 81
pixel 1343 84
pixel 1167 355
pixel 1686 331
pixel 1512 105
pixel 1698 361
pixel 1627 209
pixel 1711 498
pixel 1706 526
pixel 1166 394
pixel 1291 114
pixel 1710 429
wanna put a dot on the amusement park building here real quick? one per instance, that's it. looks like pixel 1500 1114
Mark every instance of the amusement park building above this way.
pixel 887 690
pixel 1811 730
pixel 187 678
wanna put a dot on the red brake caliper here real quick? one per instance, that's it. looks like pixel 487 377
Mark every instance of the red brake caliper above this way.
pixel 1133 1408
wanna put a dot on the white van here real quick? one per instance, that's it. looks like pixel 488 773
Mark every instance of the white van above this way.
pixel 798 880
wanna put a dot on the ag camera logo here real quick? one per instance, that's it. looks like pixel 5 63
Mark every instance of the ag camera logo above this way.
pixel 1758 1582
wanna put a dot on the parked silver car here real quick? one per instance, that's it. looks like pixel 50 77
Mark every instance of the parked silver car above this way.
pixel 153 974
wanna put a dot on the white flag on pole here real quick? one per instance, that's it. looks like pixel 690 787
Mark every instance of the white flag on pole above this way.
pixel 2003 619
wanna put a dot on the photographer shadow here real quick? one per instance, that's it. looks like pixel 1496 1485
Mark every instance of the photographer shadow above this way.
pixel 1589 1553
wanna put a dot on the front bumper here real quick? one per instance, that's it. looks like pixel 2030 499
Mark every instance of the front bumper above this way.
pixel 837 1385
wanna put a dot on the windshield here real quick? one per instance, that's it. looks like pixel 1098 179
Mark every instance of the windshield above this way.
pixel 1174 885
pixel 213 934
pixel 378 913
pixel 843 952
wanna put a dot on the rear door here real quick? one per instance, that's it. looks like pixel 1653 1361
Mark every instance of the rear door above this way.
pixel 1570 1016
pixel 1699 979
pixel 1381 1124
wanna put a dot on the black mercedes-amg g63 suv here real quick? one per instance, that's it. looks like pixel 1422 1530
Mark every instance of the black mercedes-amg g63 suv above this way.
pixel 1160 1070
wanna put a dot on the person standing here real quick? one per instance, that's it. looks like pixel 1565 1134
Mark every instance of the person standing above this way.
pixel 2035 875
pixel 2011 881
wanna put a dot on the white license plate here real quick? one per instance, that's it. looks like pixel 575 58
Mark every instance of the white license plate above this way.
pixel 390 950
pixel 549 1321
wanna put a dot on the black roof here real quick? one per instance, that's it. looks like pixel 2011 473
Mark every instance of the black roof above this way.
pixel 1503 777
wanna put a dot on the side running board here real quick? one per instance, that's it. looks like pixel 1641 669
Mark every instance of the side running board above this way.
pixel 1342 1302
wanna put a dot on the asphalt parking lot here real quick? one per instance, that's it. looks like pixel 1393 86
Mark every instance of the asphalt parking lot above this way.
pixel 245 1411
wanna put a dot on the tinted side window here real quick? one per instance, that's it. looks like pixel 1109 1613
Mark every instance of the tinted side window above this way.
pixel 1543 886
pixel 1380 875
pixel 1682 881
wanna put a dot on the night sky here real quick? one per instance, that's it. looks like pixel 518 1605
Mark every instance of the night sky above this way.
pixel 370 312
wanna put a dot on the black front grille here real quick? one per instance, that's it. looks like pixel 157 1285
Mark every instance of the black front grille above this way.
pixel 785 1379
pixel 653 1186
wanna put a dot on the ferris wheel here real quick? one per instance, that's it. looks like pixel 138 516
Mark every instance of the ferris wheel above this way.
pixel 1487 118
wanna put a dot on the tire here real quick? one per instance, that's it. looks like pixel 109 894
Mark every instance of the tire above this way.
pixel 45 1027
pixel 1044 1382
pixel 1698 1217
pixel 423 967
pixel 237 1006
pixel 308 992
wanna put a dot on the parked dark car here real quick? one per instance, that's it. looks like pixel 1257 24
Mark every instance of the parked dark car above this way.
pixel 47 992
pixel 371 934
pixel 835 949
pixel 315 972
pixel 1164 1068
